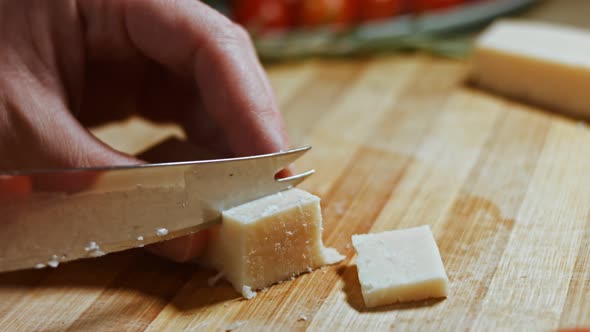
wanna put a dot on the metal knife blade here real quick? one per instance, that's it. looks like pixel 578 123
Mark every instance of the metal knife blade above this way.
pixel 128 206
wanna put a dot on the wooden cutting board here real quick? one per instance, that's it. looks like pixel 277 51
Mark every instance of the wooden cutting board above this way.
pixel 397 142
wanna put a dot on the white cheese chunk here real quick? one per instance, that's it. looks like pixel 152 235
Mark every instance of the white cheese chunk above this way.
pixel 546 64
pixel 269 240
pixel 398 266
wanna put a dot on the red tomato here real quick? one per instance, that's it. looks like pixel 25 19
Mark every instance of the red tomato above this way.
pixel 371 10
pixel 427 5
pixel 14 186
pixel 327 12
pixel 263 15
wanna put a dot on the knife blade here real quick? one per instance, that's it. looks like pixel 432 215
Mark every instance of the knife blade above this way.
pixel 65 217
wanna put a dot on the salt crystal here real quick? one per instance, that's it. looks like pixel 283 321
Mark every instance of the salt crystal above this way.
pixel 161 232
pixel 289 233
pixel 302 317
pixel 40 266
pixel 140 238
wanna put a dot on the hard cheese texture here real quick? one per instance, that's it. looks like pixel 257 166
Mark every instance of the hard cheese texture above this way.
pixel 398 266
pixel 538 62
pixel 269 240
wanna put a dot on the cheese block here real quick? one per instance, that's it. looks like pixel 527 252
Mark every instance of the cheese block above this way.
pixel 546 64
pixel 269 240
pixel 398 266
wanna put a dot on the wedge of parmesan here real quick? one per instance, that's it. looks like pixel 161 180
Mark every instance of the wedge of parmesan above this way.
pixel 542 63
pixel 269 240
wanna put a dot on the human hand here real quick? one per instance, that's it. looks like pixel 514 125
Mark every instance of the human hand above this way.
pixel 65 64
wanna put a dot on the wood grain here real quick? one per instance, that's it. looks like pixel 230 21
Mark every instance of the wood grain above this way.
pixel 398 141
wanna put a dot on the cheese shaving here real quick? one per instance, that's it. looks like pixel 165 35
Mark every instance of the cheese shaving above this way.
pixel 248 293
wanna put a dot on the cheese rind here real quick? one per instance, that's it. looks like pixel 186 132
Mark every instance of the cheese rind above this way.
pixel 269 240
pixel 543 63
pixel 398 266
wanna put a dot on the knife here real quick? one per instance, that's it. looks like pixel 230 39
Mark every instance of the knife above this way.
pixel 65 216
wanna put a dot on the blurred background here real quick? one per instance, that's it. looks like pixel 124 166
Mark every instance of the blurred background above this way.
pixel 288 29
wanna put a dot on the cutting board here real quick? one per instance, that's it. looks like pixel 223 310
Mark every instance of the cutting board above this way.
pixel 398 141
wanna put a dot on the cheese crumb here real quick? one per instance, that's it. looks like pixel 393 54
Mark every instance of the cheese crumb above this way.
pixel 214 279
pixel 93 250
pixel 140 238
pixel 54 261
pixel 235 325
pixel 248 293
pixel 92 246
pixel 161 232
pixel 40 266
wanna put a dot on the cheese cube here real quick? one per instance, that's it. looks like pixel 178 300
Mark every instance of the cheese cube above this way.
pixel 269 240
pixel 398 266
pixel 543 63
